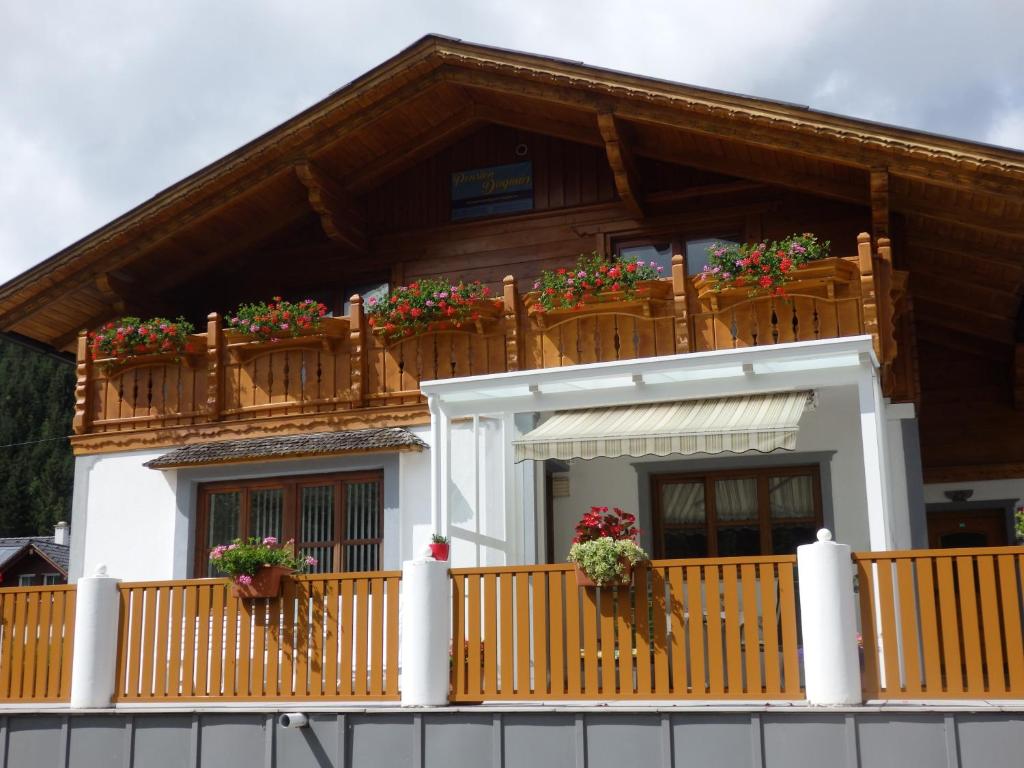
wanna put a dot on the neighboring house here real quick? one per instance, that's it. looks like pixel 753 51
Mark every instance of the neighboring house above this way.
pixel 883 402
pixel 32 561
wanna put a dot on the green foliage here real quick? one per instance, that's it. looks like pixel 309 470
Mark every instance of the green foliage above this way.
pixel 436 538
pixel 132 336
pixel 263 321
pixel 762 267
pixel 37 401
pixel 1018 524
pixel 601 559
pixel 241 560
pixel 411 309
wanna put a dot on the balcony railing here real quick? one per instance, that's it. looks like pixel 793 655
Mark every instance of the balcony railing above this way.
pixel 343 365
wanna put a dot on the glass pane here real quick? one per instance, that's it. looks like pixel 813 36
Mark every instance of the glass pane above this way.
pixel 697 252
pixel 791 496
pixel 734 542
pixel 362 511
pixel 736 499
pixel 266 507
pixel 223 525
pixel 682 502
pixel 316 514
pixel 362 557
pixel 659 253
pixel 786 538
pixel 680 542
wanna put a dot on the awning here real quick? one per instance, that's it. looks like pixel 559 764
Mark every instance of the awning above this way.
pixel 762 422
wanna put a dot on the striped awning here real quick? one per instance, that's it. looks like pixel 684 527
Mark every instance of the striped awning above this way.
pixel 715 425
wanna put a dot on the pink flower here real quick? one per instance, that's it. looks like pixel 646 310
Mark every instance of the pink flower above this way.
pixel 310 560
pixel 244 579
pixel 231 546
pixel 270 540
pixel 216 552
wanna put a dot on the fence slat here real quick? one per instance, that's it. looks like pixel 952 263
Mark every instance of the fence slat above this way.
pixel 37 626
pixel 1011 610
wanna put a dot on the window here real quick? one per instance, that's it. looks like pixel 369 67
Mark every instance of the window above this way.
pixel 660 251
pixel 338 519
pixel 51 578
pixel 26 580
pixel 740 512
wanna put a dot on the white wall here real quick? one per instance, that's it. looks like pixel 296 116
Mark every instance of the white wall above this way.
pixel 415 525
pixel 833 427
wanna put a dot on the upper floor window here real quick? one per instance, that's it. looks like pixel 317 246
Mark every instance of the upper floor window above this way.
pixel 51 578
pixel 660 251
pixel 739 512
pixel 338 519
pixel 26 580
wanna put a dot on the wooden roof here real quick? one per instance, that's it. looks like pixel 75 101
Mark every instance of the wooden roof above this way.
pixel 960 202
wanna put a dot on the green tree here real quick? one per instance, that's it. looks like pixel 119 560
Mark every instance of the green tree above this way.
pixel 37 401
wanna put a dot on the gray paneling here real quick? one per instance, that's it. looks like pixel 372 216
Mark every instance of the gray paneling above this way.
pixel 35 740
pixel 993 740
pixel 902 741
pixel 702 742
pixel 162 741
pixel 447 742
pixel 96 740
pixel 313 746
pixel 533 741
pixel 617 740
pixel 232 741
pixel 383 741
pixel 787 742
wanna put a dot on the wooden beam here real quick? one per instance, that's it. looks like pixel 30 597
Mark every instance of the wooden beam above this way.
pixel 960 342
pixel 339 215
pixel 66 338
pixel 620 158
pixel 960 216
pixel 539 123
pixel 968 321
pixel 127 296
pixel 881 223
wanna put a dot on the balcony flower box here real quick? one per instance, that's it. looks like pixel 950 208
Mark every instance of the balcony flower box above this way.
pixel 432 305
pixel 266 582
pixel 141 342
pixel 604 549
pixel 327 333
pixel 643 300
pixel 257 565
pixel 482 316
pixel 831 278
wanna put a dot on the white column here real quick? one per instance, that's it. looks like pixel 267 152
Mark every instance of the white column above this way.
pixel 425 633
pixel 94 670
pixel 899 497
pixel 873 443
pixel 829 623
pixel 440 452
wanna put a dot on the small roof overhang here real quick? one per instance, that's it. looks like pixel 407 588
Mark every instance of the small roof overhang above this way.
pixel 387 440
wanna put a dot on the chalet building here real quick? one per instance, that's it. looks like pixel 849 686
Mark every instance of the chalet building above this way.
pixel 880 397
pixel 27 561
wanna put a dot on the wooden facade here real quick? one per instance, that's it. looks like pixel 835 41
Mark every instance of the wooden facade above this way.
pixel 356 191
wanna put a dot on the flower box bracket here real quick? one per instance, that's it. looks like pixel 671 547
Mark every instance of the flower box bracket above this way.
pixel 116 366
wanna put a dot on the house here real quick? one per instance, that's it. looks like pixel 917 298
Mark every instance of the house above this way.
pixel 879 398
pixel 27 561
pixel 355 195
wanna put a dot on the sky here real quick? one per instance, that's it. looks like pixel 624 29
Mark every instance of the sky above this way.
pixel 104 103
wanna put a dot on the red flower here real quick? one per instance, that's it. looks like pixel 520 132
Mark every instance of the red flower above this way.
pixel 631 267
pixel 765 281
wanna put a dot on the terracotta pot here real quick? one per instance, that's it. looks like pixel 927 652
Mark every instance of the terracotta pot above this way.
pixel 266 582
pixel 583 580
pixel 439 551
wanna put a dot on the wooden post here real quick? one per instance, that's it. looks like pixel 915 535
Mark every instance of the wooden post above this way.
pixel 868 296
pixel 81 422
pixel 1018 376
pixel 511 300
pixel 357 350
pixel 679 308
pixel 214 368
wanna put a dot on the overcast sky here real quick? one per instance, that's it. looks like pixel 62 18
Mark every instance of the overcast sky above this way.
pixel 103 104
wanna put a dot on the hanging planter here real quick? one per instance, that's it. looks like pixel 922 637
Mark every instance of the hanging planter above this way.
pixel 604 549
pixel 256 566
pixel 432 304
pixel 266 582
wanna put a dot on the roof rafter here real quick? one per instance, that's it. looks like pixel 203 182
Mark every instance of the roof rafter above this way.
pixel 620 159
pixel 339 214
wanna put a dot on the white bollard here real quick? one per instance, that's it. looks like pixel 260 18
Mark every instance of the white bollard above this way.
pixel 426 633
pixel 829 623
pixel 94 666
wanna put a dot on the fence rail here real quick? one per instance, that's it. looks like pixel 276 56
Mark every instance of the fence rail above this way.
pixel 328 636
pixel 37 628
pixel 942 623
pixel 699 629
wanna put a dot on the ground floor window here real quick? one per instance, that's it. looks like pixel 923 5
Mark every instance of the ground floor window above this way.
pixel 338 519
pixel 738 512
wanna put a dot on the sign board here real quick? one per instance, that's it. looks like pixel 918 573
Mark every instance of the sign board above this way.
pixel 491 191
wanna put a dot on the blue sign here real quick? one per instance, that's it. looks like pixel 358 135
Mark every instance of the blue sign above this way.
pixel 491 191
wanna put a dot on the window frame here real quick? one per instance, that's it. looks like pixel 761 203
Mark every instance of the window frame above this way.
pixel 51 579
pixel 711 526
pixel 677 238
pixel 290 511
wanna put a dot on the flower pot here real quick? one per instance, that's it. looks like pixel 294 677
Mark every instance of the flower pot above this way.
pixel 266 583
pixel 583 580
pixel 439 551
pixel 649 297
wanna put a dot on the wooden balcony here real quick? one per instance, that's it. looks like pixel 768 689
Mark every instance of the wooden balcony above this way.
pixel 227 385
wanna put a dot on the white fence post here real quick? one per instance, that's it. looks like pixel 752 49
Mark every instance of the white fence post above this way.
pixel 94 660
pixel 829 623
pixel 426 633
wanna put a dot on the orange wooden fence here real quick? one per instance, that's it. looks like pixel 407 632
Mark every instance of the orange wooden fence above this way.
pixel 327 636
pixel 37 628
pixel 942 623
pixel 699 629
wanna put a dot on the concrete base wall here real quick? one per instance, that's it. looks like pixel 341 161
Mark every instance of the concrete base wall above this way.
pixel 774 737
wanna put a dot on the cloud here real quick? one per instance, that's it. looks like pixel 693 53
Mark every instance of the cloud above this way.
pixel 104 103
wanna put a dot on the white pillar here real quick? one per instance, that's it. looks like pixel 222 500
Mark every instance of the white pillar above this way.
pixel 425 633
pixel 829 623
pixel 873 443
pixel 440 457
pixel 94 669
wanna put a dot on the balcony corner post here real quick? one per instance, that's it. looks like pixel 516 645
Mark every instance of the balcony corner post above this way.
pixel 679 308
pixel 510 298
pixel 81 422
pixel 94 671
pixel 828 622
pixel 357 350
pixel 214 368
pixel 868 295
pixel 425 635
